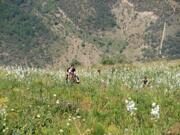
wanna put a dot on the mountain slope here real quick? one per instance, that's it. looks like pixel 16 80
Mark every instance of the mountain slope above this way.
pixel 22 35
pixel 141 24
pixel 58 32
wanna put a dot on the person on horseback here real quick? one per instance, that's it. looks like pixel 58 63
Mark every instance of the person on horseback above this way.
pixel 71 72
pixel 145 81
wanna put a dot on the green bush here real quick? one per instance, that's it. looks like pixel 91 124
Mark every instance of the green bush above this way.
pixel 98 130
pixel 171 49
pixel 75 62
pixel 149 53
pixel 107 61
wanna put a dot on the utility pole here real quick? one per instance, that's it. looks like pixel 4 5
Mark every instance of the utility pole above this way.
pixel 162 39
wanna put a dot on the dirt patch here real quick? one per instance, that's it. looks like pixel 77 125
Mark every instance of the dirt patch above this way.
pixel 87 54
pixel 174 129
pixel 86 104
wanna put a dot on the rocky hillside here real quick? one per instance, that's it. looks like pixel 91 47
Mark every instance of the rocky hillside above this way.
pixel 58 32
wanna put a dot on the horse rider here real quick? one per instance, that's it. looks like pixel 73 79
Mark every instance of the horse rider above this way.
pixel 71 71
pixel 145 81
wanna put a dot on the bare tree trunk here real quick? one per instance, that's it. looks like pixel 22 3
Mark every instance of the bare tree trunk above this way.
pixel 162 39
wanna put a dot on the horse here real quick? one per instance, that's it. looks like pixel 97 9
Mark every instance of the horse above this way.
pixel 72 78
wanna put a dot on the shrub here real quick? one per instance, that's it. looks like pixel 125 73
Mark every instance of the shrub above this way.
pixel 75 62
pixel 107 61
pixel 98 130
pixel 149 53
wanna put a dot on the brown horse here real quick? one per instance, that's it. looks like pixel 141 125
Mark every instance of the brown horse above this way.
pixel 72 78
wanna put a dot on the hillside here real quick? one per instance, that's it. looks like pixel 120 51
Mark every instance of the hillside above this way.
pixel 58 32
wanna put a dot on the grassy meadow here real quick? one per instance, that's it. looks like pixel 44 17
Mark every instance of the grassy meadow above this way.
pixel 114 102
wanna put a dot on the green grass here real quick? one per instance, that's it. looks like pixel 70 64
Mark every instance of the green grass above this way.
pixel 40 102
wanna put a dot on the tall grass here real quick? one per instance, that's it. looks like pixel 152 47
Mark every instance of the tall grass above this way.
pixel 40 102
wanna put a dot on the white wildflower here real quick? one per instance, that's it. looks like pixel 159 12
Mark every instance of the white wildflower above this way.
pixel 38 116
pixel 153 104
pixel 77 110
pixel 69 119
pixel 155 111
pixel 126 130
pixel 130 106
pixel 57 101
pixel 78 117
pixel 2 111
pixel 68 124
pixel 102 81
pixel 61 130
pixel 12 109
pixel 126 101
pixel 83 120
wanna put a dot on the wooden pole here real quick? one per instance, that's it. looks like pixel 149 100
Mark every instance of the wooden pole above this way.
pixel 162 39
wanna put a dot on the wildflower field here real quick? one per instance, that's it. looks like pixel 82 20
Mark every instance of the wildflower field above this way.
pixel 41 102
